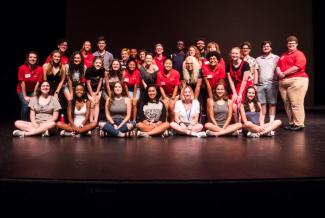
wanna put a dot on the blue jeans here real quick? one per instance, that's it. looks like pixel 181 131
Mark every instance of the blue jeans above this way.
pixel 109 128
pixel 24 105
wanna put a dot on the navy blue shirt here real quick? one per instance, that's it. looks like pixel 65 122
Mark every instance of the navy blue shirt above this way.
pixel 178 59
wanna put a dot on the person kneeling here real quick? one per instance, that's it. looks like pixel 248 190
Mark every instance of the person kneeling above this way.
pixel 152 115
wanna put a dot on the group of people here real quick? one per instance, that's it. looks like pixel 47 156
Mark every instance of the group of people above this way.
pixel 191 92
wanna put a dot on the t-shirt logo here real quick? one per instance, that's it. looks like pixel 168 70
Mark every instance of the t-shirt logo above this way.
pixel 126 80
pixel 162 83
pixel 27 75
pixel 209 76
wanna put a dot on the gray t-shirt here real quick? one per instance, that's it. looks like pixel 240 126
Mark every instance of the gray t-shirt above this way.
pixel 44 112
pixel 106 57
pixel 266 71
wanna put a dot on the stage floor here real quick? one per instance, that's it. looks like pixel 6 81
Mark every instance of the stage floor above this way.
pixel 288 155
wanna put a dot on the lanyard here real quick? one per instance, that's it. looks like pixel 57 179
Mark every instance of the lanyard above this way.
pixel 188 115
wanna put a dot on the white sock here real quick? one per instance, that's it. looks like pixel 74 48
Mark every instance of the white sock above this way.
pixel 272 117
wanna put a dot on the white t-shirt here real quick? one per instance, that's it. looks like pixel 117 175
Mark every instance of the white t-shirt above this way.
pixel 187 116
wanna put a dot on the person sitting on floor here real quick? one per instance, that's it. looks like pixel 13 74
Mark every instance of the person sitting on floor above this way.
pixel 220 113
pixel 152 113
pixel 44 111
pixel 252 117
pixel 118 113
pixel 78 115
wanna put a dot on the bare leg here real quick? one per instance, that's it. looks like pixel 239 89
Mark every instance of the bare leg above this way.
pixel 159 129
pixel 144 127
pixel 24 125
pixel 272 111
pixel 229 129
pixel 178 128
pixel 64 126
pixel 134 109
pixel 263 111
pixel 42 128
pixel 87 127
pixel 270 126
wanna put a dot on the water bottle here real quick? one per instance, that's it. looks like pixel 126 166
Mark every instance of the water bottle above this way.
pixel 62 118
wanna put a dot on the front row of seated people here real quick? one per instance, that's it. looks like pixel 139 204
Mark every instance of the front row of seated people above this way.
pixel 152 115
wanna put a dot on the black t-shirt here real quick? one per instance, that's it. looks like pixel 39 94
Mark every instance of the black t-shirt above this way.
pixel 152 112
pixel 245 68
pixel 94 76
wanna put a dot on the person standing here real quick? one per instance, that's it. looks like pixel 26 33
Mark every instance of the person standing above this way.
pixel 267 86
pixel 293 84
pixel 62 47
pixel 102 53
pixel 178 56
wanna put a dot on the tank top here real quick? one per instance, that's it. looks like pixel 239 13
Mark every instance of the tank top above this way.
pixel 54 80
pixel 220 113
pixel 118 109
pixel 254 117
pixel 80 115
pixel 149 78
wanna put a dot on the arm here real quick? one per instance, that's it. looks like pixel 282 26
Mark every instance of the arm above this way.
pixel 32 116
pixel 35 89
pixel 108 88
pixel 58 89
pixel 135 91
pixel 243 84
pixel 256 77
pixel 99 85
pixel 128 112
pixel 177 120
pixel 243 114
pixel 175 92
pixel 90 90
pixel 197 88
pixel 261 118
pixel 229 116
pixel 232 86
pixel 127 90
pixel 208 87
pixel 107 113
pixel 87 113
pixel 69 113
pixel 144 84
pixel 210 111
pixel 163 94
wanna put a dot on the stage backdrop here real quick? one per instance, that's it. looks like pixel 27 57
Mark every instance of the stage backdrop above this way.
pixel 141 24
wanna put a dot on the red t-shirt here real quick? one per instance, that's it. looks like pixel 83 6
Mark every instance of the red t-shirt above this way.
pixel 88 60
pixel 160 63
pixel 221 65
pixel 30 77
pixel 296 58
pixel 64 59
pixel 131 79
pixel 214 76
pixel 169 82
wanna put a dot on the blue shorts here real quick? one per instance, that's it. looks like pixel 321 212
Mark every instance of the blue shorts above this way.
pixel 267 93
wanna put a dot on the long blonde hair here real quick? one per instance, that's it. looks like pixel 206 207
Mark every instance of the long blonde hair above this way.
pixel 191 77
pixel 50 65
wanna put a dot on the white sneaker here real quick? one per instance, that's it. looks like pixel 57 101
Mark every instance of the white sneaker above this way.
pixel 46 134
pixel 142 134
pixel 18 133
pixel 88 133
pixel 210 133
pixel 165 134
pixel 252 135
pixel 201 135
pixel 271 133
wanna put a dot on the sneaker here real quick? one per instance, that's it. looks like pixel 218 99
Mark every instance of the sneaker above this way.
pixel 202 135
pixel 18 133
pixel 209 133
pixel 271 133
pixel 46 134
pixel 75 135
pixel 165 134
pixel 288 127
pixel 252 135
pixel 142 134
pixel 235 133
pixel 88 133
pixel 171 132
pixel 101 133
pixel 296 128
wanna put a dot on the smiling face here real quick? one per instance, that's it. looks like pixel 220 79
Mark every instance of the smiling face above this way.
pixel 152 93
pixel 77 59
pixel 168 65
pixel 116 65
pixel 133 52
pixel 45 88
pixel 180 45
pixel 124 55
pixel 187 93
pixel 220 90
pixel 132 65
pixel 245 50
pixel 149 59
pixel 56 57
pixel 266 49
pixel 101 45
pixel 200 45
pixel 189 65
pixel 32 59
pixel 63 47
pixel 251 93
pixel 79 91
pixel 159 49
pixel 98 63
pixel 142 56
pixel 118 89
pixel 87 46
pixel 235 54
pixel 213 61
pixel 191 51
pixel 292 46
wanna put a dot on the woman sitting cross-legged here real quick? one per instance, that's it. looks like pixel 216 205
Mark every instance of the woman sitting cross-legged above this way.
pixel 78 115
pixel 187 111
pixel 152 113
pixel 220 110
pixel 118 113
pixel 44 111
pixel 253 119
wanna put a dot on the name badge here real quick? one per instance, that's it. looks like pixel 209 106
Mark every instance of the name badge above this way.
pixel 162 83
pixel 209 76
pixel 207 63
pixel 27 75
pixel 126 80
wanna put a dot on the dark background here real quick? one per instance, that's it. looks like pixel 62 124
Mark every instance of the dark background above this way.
pixel 141 24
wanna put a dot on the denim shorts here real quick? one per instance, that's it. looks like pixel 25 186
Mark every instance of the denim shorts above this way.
pixel 267 93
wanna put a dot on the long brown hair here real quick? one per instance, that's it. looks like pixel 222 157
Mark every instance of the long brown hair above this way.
pixel 50 65
pixel 255 100
pixel 112 98
pixel 214 93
